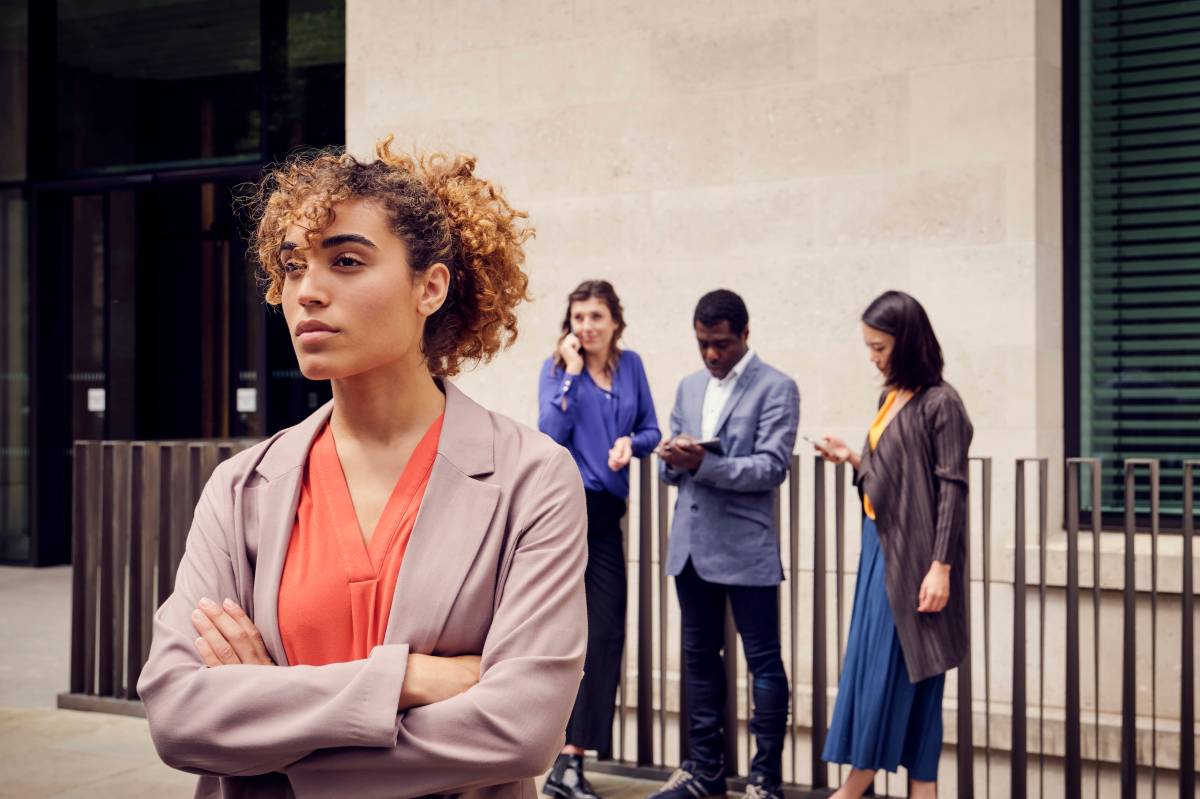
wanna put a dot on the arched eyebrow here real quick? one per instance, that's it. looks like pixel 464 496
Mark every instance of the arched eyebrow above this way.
pixel 332 241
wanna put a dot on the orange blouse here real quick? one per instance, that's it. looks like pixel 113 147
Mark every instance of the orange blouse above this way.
pixel 874 433
pixel 336 592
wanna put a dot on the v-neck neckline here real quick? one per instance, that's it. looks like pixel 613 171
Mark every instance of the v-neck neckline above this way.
pixel 889 422
pixel 363 558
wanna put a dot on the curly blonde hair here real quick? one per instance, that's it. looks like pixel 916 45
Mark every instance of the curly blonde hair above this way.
pixel 442 212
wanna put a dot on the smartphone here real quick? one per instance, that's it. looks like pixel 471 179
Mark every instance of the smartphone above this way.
pixel 818 444
pixel 713 445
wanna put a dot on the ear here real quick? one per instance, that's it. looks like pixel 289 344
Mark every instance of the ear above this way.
pixel 432 286
pixel 746 332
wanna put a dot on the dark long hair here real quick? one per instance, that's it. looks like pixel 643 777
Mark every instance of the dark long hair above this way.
pixel 601 290
pixel 916 360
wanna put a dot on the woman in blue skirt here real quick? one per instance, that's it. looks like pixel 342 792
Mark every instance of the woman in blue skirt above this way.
pixel 909 624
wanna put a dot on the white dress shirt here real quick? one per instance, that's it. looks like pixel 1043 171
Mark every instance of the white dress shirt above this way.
pixel 716 395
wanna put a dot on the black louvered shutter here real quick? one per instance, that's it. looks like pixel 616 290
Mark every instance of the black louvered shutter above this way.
pixel 1140 238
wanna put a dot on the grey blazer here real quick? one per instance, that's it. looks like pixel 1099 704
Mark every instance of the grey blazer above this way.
pixel 917 480
pixel 494 567
pixel 725 513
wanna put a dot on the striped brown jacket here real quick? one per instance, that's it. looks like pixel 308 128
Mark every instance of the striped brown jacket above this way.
pixel 917 480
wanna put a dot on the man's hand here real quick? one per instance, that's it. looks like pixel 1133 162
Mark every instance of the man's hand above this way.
pixel 682 453
pixel 227 636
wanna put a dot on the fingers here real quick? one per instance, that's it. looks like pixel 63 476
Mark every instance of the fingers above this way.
pixel 206 653
pixel 256 640
pixel 232 634
pixel 217 643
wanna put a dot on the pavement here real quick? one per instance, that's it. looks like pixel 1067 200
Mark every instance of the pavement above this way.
pixel 67 754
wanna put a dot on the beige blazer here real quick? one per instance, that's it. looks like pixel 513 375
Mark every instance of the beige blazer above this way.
pixel 494 567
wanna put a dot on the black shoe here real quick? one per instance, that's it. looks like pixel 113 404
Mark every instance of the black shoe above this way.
pixel 759 787
pixel 566 780
pixel 689 783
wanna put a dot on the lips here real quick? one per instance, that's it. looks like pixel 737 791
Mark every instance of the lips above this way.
pixel 312 330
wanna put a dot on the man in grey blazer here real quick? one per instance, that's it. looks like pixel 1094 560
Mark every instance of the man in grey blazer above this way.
pixel 724 543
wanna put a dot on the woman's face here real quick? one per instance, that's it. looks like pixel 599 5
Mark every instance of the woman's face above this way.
pixel 879 345
pixel 593 324
pixel 351 301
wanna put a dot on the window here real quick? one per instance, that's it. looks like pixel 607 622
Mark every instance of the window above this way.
pixel 1138 278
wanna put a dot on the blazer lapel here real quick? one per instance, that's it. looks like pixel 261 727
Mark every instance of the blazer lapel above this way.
pixel 455 516
pixel 739 391
pixel 283 467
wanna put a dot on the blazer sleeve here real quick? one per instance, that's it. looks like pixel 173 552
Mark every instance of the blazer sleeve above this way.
pixel 670 475
pixel 646 434
pixel 554 419
pixel 510 725
pixel 951 434
pixel 243 720
pixel 774 441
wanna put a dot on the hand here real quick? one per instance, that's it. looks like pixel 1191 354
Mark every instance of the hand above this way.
pixel 570 349
pixel 935 589
pixel 227 636
pixel 683 453
pixel 620 454
pixel 429 679
pixel 834 450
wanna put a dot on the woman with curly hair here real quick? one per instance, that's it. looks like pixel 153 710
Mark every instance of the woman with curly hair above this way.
pixel 386 599
pixel 594 399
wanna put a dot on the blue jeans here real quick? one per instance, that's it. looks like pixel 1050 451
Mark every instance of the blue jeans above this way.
pixel 756 615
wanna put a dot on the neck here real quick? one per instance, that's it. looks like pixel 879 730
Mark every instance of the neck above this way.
pixel 387 404
pixel 596 362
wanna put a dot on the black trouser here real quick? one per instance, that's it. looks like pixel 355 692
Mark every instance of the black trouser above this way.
pixel 756 614
pixel 591 720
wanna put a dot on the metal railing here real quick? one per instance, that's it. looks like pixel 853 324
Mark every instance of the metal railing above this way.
pixel 133 503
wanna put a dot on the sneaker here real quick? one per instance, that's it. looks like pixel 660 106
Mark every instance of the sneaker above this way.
pixel 758 787
pixel 689 783
pixel 566 780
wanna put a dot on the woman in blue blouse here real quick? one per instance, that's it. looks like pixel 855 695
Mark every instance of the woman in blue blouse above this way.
pixel 594 399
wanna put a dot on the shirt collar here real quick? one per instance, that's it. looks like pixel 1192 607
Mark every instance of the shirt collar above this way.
pixel 737 370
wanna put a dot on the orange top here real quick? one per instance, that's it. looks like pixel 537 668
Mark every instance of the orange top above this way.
pixel 873 434
pixel 336 591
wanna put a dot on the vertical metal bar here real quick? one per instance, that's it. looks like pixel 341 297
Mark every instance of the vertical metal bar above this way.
pixel 1155 507
pixel 120 513
pixel 645 657
pixel 794 598
pixel 731 697
pixel 1129 650
pixel 105 624
pixel 839 531
pixel 1097 526
pixel 1043 498
pixel 986 545
pixel 964 748
pixel 1019 760
pixel 663 608
pixel 79 549
pixel 1187 668
pixel 820 775
pixel 1073 764
pixel 1129 664
pixel 623 683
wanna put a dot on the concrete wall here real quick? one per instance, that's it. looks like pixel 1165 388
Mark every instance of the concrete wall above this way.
pixel 808 154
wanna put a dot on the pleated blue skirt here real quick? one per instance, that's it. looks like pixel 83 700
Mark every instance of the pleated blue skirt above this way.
pixel 881 720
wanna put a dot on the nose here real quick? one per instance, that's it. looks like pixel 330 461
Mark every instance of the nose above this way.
pixel 311 289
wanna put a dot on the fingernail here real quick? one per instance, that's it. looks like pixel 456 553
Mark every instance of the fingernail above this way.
pixel 229 604
pixel 198 615
pixel 197 642
pixel 207 603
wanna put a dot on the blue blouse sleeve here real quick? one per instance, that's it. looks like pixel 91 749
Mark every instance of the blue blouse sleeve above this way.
pixel 557 389
pixel 646 434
